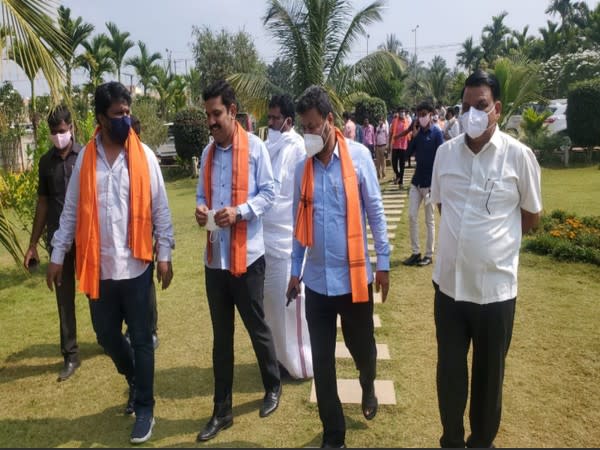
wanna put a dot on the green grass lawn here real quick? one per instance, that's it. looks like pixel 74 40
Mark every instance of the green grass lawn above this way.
pixel 552 389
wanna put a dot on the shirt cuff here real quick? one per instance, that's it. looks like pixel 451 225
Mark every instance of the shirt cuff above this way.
pixel 58 256
pixel 383 263
pixel 246 211
pixel 164 254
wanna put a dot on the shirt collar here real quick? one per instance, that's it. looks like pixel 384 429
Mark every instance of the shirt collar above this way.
pixel 75 148
pixel 495 141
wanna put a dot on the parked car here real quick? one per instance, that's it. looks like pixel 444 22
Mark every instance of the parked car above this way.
pixel 557 122
pixel 166 152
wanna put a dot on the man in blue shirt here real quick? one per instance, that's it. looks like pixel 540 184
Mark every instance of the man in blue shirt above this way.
pixel 424 144
pixel 328 275
pixel 226 285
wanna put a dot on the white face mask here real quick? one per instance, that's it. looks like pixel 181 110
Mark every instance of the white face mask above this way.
pixel 475 122
pixel 273 136
pixel 313 143
pixel 61 140
pixel 210 223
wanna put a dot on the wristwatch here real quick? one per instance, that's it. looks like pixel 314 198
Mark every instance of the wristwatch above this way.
pixel 238 214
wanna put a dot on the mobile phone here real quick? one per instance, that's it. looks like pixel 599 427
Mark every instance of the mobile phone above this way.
pixel 291 295
pixel 32 264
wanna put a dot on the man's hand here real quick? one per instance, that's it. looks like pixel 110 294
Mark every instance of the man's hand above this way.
pixel 382 282
pixel 164 273
pixel 293 288
pixel 54 275
pixel 31 254
pixel 225 217
pixel 202 215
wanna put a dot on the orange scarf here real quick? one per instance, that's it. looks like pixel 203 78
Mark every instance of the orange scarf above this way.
pixel 354 231
pixel 239 195
pixel 87 233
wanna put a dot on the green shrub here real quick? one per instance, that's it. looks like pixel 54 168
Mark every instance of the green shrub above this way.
pixel 154 132
pixel 371 108
pixel 191 133
pixel 567 237
pixel 583 120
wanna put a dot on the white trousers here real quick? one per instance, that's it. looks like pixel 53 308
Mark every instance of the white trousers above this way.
pixel 288 324
pixel 416 196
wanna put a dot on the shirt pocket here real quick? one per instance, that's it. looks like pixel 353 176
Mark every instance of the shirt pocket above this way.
pixel 501 196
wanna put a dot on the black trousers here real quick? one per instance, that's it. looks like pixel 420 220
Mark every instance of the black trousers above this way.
pixel 399 162
pixel 224 292
pixel 359 337
pixel 127 300
pixel 489 327
pixel 65 302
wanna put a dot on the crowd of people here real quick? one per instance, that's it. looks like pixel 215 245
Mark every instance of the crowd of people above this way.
pixel 286 245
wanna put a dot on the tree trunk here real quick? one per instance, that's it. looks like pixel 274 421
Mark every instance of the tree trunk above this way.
pixel 34 118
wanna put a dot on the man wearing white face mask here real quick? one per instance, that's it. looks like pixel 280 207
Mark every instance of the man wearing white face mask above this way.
pixel 487 187
pixel 55 169
pixel 287 323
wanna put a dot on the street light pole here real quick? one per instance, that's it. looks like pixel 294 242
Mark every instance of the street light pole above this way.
pixel 416 62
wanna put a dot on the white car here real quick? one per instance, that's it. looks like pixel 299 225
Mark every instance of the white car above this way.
pixel 557 122
pixel 166 152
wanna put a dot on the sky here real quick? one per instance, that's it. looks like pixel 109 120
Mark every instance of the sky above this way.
pixel 166 26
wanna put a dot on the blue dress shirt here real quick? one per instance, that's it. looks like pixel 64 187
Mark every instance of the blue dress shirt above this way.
pixel 326 270
pixel 424 146
pixel 260 198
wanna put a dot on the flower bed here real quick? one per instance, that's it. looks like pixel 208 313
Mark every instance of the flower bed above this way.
pixel 567 237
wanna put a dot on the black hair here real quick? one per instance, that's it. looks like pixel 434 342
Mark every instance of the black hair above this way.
pixel 426 106
pixel 451 111
pixel 136 124
pixel 59 114
pixel 345 115
pixel 482 78
pixel 285 104
pixel 314 97
pixel 456 110
pixel 109 93
pixel 223 89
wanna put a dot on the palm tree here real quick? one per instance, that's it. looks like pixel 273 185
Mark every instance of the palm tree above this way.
pixel 144 65
pixel 470 55
pixel 96 59
pixel 438 77
pixel 118 44
pixel 76 32
pixel 393 45
pixel 492 38
pixel 21 53
pixel 563 8
pixel 29 26
pixel 162 81
pixel 318 37
pixel 551 38
pixel 520 83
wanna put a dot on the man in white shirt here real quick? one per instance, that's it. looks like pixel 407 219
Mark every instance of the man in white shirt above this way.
pixel 452 127
pixel 115 202
pixel 287 322
pixel 487 187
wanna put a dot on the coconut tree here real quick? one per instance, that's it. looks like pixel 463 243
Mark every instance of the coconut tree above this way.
pixel 492 38
pixel 438 78
pixel 76 31
pixel 144 65
pixel 317 36
pixel 119 45
pixel 96 60
pixel 162 81
pixel 29 27
pixel 470 55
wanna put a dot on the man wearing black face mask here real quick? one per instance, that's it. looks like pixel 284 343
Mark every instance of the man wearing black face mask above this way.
pixel 116 201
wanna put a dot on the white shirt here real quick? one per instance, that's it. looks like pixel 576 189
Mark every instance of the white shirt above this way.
pixel 112 187
pixel 278 225
pixel 452 128
pixel 480 229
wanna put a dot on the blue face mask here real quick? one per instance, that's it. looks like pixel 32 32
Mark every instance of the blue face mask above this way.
pixel 119 129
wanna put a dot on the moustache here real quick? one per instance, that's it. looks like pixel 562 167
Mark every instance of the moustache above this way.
pixel 215 127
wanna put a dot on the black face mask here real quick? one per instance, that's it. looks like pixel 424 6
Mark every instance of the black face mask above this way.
pixel 119 129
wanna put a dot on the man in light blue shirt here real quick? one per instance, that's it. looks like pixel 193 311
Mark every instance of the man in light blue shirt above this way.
pixel 327 271
pixel 226 285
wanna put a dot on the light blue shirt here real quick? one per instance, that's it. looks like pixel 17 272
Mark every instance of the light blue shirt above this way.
pixel 327 270
pixel 260 198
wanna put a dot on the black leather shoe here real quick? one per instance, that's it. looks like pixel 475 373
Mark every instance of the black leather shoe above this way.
pixel 68 369
pixel 270 402
pixel 369 404
pixel 214 425
pixel 130 407
pixel 412 260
